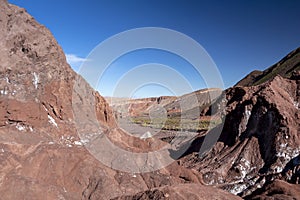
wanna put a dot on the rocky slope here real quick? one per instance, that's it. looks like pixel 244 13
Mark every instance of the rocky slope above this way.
pixel 180 192
pixel 284 68
pixel 259 144
pixel 41 153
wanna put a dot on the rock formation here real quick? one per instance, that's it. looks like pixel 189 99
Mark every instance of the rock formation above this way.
pixel 260 142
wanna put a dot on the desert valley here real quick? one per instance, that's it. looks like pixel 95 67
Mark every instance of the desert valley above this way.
pixel 45 143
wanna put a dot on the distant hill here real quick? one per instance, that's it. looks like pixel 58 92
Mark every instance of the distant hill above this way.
pixel 172 104
pixel 285 67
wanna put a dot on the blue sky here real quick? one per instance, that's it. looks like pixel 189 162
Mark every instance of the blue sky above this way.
pixel 240 36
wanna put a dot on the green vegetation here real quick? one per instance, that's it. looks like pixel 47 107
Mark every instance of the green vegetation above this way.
pixel 175 123
pixel 285 67
pixel 278 70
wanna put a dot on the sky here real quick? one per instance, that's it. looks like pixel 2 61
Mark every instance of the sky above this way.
pixel 240 36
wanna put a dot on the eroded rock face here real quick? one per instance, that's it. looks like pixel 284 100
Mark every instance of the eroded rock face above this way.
pixel 260 141
pixel 40 152
pixel 36 82
pixel 277 190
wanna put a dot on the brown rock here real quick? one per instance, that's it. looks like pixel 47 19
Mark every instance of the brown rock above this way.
pixel 260 140
pixel 278 190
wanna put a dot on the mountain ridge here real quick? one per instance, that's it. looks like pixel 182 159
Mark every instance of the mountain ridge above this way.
pixel 285 67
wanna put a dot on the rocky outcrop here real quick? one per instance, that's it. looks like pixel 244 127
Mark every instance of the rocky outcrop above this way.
pixel 36 82
pixel 277 190
pixel 40 152
pixel 260 141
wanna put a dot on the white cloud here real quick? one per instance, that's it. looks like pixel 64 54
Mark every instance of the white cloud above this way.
pixel 74 60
